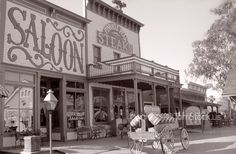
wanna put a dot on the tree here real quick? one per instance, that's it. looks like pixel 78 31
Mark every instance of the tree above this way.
pixel 213 55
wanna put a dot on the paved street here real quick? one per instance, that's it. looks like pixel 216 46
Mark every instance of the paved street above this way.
pixel 214 141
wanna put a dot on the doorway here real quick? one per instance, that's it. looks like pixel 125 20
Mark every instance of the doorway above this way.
pixel 47 83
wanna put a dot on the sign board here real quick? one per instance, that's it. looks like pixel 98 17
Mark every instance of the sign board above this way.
pixel 75 115
pixel 152 109
pixel 113 36
pixel 193 116
pixel 33 39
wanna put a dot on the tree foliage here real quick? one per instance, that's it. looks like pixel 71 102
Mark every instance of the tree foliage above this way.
pixel 213 55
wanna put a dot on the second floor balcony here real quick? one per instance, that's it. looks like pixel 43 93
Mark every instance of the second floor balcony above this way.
pixel 132 65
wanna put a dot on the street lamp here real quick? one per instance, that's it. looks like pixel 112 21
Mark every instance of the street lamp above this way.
pixel 51 103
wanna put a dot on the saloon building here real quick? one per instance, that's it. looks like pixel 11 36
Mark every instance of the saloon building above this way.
pixel 93 65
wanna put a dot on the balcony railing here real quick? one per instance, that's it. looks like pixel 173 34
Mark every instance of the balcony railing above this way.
pixel 133 64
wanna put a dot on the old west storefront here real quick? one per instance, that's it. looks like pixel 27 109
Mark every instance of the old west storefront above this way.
pixel 43 48
pixel 120 81
pixel 195 106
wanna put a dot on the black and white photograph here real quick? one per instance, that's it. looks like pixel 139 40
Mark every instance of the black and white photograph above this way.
pixel 117 76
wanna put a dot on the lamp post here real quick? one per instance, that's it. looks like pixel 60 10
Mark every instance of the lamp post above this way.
pixel 51 103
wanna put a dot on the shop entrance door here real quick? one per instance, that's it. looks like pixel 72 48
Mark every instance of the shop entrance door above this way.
pixel 47 83
pixel 119 103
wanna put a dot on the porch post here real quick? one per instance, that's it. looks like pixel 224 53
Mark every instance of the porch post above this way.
pixel 1 121
pixel 172 101
pixel 229 108
pixel 168 98
pixel 136 96
pixel 181 108
pixel 202 120
pixel 63 117
pixel 154 94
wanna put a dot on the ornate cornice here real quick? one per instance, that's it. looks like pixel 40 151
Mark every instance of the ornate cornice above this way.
pixel 114 15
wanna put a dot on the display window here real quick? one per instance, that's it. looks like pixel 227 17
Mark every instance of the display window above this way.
pixel 75 102
pixel 101 105
pixel 18 107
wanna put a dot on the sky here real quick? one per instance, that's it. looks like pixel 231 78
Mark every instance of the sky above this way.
pixel 170 27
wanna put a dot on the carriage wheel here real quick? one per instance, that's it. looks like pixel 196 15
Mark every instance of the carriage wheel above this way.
pixel 137 147
pixel 130 143
pixel 184 138
pixel 167 141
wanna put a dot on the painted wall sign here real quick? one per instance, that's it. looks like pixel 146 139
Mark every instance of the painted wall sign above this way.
pixel 112 36
pixel 38 41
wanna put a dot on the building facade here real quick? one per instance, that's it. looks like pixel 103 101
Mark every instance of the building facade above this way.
pixel 92 64
pixel 120 81
pixel 195 106
pixel 43 47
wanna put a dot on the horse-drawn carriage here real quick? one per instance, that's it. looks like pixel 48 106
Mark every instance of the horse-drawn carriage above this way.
pixel 160 135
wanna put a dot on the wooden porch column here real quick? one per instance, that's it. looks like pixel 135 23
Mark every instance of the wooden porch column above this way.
pixel 181 108
pixel 136 96
pixel 229 108
pixel 63 109
pixel 172 101
pixel 168 98
pixel 1 121
pixel 154 94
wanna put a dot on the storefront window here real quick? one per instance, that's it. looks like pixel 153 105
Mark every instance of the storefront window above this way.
pixel 18 109
pixel 72 84
pixel 75 104
pixel 19 77
pixel 75 109
pixel 101 105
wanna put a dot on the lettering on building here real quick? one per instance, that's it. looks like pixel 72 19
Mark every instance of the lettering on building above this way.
pixel 36 40
pixel 112 36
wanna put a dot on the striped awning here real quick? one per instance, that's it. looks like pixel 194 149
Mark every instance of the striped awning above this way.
pixel 3 92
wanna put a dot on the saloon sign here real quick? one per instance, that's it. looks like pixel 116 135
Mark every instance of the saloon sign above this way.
pixel 112 36
pixel 39 41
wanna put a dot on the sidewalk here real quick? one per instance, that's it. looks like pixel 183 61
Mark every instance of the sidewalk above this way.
pixel 211 141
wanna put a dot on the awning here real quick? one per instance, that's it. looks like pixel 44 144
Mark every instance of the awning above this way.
pixel 3 92
pixel 198 103
pixel 230 85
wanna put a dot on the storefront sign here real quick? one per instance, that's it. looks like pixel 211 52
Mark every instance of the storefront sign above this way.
pixel 112 36
pixel 75 115
pixel 193 116
pixel 39 41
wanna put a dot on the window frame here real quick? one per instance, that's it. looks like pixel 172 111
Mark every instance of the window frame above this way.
pixel 108 105
pixel 97 57
pixel 76 91
pixel 116 54
pixel 31 85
